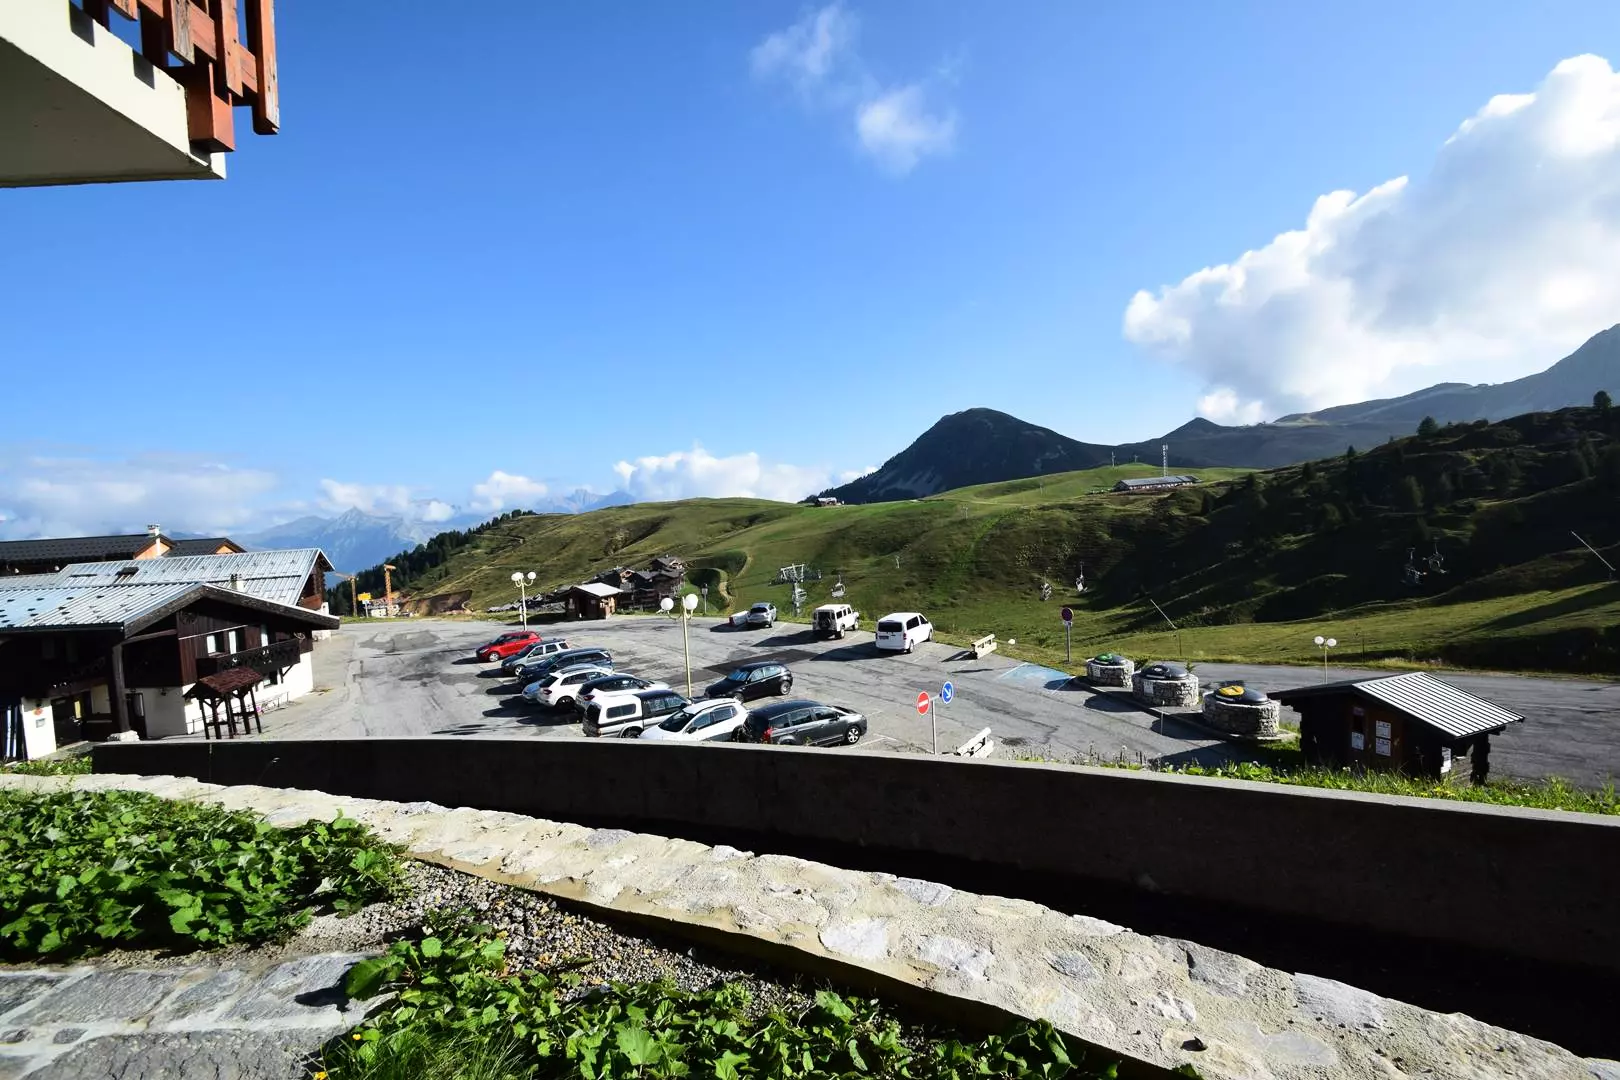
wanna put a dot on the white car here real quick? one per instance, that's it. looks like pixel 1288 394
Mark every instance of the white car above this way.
pixel 558 689
pixel 903 631
pixel 708 720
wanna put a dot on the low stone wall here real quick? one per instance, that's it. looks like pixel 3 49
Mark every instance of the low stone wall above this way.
pixel 1456 874
pixel 1162 1002
pixel 1255 720
pixel 1176 693
pixel 1110 674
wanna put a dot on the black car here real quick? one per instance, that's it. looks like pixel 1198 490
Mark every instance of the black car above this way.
pixel 611 684
pixel 802 723
pixel 753 680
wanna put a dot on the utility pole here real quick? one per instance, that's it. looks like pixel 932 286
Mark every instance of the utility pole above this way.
pixel 388 588
pixel 1164 467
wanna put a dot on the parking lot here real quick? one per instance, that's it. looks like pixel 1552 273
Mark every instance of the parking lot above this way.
pixel 418 678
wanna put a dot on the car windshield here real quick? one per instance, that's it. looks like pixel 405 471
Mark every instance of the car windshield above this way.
pixel 740 675
pixel 678 720
pixel 762 607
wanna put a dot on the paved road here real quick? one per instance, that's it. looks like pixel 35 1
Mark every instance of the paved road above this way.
pixel 418 678
pixel 1571 727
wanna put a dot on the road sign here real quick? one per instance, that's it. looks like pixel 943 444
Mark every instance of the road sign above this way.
pixel 1067 615
pixel 947 692
pixel 922 703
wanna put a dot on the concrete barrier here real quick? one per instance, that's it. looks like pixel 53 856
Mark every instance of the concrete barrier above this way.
pixel 1534 884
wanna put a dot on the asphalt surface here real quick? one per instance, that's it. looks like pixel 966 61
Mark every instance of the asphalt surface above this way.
pixel 418 677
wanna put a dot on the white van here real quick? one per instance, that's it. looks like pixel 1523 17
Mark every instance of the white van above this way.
pixel 902 631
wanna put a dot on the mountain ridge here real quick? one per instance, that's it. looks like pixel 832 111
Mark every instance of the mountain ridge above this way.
pixel 981 445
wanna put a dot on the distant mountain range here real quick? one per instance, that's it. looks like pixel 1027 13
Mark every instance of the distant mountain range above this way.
pixel 355 540
pixel 983 446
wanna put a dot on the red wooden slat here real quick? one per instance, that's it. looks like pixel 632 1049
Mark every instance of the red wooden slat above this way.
pixel 261 25
pixel 226 48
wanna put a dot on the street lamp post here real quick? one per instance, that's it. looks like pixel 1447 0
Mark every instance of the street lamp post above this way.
pixel 1324 644
pixel 523 581
pixel 688 603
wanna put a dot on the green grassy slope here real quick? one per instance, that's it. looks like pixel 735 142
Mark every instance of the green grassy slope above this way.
pixel 1250 566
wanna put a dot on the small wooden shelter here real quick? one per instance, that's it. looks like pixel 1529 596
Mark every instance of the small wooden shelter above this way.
pixel 232 689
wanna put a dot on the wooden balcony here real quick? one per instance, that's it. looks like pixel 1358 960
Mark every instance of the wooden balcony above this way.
pixel 267 659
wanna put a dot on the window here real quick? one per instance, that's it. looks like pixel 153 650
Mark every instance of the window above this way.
pixel 795 719
pixel 215 644
pixel 233 641
pixel 913 622
pixel 619 712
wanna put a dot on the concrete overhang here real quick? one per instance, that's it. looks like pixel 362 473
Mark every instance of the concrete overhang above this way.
pixel 79 106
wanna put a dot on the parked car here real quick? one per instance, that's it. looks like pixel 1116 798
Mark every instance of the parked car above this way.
pixel 506 645
pixel 534 651
pixel 710 720
pixel 628 714
pixel 612 684
pixel 834 620
pixel 761 615
pixel 802 723
pixel 533 670
pixel 557 689
pixel 903 631
pixel 753 680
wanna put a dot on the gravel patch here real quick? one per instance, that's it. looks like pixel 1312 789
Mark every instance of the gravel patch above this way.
pixel 540 932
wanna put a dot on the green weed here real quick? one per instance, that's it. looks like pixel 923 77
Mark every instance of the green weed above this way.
pixel 451 990
pixel 84 871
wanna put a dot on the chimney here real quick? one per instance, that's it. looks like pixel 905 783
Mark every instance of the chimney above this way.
pixel 154 530
pixel 236 582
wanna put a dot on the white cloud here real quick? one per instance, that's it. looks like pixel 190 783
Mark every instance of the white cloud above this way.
pixel 696 473
pixel 503 489
pixel 806 53
pixel 1503 257
pixel 77 496
pixel 855 474
pixel 338 496
pixel 896 125
pixel 898 130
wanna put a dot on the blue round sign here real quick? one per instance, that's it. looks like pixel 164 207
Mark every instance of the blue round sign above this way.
pixel 947 692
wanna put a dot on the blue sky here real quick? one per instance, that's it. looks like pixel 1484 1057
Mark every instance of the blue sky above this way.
pixel 492 254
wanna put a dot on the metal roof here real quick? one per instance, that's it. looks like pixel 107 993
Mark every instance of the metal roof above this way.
pixel 597 589
pixel 1159 481
pixel 53 605
pixel 73 547
pixel 1422 697
pixel 56 605
pixel 278 576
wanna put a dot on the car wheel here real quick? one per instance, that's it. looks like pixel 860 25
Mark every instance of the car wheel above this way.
pixel 564 703
pixel 909 646
pixel 784 686
pixel 630 733
pixel 852 736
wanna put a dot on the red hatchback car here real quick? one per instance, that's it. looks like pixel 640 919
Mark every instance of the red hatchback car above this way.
pixel 506 645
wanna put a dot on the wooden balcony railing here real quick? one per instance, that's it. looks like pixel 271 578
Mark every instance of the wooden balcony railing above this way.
pixel 266 659
pixel 196 42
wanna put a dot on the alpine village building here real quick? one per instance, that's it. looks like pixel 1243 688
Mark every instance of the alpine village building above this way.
pixel 122 646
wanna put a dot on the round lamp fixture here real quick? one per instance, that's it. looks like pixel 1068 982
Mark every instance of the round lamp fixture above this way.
pixel 1320 640
pixel 1331 642
pixel 516 577
pixel 666 605
pixel 690 601
pixel 530 576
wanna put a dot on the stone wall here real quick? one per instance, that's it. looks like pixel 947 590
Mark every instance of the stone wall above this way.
pixel 1451 873
pixel 1256 720
pixel 1177 693
pixel 1110 674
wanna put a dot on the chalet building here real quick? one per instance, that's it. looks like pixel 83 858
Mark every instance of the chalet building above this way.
pixel 49 556
pixel 1411 723
pixel 1154 483
pixel 592 600
pixel 663 577
pixel 98 650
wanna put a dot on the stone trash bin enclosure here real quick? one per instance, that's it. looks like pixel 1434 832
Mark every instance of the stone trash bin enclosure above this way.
pixel 1109 669
pixel 1238 710
pixel 1165 684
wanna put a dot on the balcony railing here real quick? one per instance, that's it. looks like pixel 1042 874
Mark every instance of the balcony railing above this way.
pixel 218 69
pixel 266 659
